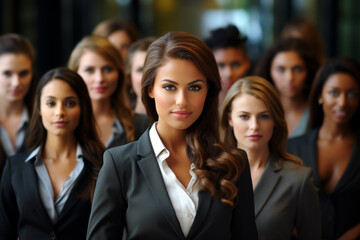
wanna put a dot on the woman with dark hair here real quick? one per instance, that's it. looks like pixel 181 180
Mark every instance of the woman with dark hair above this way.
pixel 16 93
pixel 331 149
pixel 177 181
pixel 252 119
pixel 47 192
pixel 229 48
pixel 121 33
pixel 100 65
pixel 291 67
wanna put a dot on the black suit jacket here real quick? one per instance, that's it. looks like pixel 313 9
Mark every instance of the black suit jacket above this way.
pixel 131 194
pixel 340 210
pixel 22 213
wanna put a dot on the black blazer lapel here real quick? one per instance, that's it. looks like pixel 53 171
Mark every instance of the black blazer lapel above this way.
pixel 266 184
pixel 150 169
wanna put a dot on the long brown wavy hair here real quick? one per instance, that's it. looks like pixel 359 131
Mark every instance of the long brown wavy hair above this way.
pixel 119 100
pixel 85 133
pixel 217 168
pixel 266 92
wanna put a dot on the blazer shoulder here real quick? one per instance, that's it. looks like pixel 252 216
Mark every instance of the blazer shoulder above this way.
pixel 295 173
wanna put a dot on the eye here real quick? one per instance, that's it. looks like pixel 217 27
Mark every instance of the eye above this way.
pixel 169 87
pixel 139 70
pixel 7 73
pixel 280 69
pixel 352 94
pixel 221 65
pixel 235 64
pixel 298 69
pixel 244 117
pixel 333 93
pixel 195 88
pixel 264 116
pixel 24 73
pixel 108 69
pixel 89 70
pixel 70 103
pixel 50 103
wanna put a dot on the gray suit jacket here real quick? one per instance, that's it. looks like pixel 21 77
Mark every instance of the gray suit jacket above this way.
pixel 130 194
pixel 285 197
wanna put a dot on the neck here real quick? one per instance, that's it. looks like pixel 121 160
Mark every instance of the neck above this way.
pixel 174 140
pixel 140 108
pixel 102 107
pixel 329 130
pixel 295 103
pixel 10 108
pixel 258 158
pixel 59 147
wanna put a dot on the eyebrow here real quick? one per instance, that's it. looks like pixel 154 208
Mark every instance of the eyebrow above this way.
pixel 175 83
pixel 66 98
pixel 267 111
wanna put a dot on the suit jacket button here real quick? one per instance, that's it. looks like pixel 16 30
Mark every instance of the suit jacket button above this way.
pixel 52 235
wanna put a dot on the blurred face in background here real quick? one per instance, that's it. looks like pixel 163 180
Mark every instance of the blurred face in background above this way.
pixel 15 76
pixel 137 68
pixel 122 41
pixel 289 73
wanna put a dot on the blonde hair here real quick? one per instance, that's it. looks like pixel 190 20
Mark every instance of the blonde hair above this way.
pixel 119 101
pixel 265 91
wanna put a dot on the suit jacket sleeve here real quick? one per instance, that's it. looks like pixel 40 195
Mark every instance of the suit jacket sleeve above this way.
pixel 8 207
pixel 308 221
pixel 107 218
pixel 243 225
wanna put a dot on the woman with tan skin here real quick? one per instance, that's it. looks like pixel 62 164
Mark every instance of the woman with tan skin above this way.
pixel 121 33
pixel 177 181
pixel 291 67
pixel 46 193
pixel 331 149
pixel 134 66
pixel 100 65
pixel 16 92
pixel 286 200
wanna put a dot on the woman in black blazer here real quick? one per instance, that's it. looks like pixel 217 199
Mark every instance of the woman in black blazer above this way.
pixel 286 200
pixel 177 181
pixel 332 148
pixel 46 193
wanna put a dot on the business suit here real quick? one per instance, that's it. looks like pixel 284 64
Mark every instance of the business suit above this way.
pixel 285 197
pixel 131 194
pixel 22 213
pixel 140 121
pixel 340 210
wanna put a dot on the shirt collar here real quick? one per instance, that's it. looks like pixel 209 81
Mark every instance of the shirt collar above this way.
pixel 117 127
pixel 24 118
pixel 156 142
pixel 35 152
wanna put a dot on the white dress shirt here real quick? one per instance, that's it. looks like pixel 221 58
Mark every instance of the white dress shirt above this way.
pixel 184 199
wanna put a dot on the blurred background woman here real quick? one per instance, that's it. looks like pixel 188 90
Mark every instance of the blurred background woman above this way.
pixel 331 149
pixel 100 65
pixel 286 202
pixel 291 67
pixel 16 93
pixel 46 192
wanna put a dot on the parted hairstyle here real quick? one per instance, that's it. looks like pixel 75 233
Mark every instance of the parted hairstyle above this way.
pixel 263 69
pixel 333 66
pixel 85 133
pixel 225 37
pixel 267 93
pixel 216 168
pixel 12 43
pixel 107 27
pixel 119 100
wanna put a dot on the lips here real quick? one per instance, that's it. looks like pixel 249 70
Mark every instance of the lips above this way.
pixel 15 92
pixel 60 123
pixel 99 89
pixel 181 114
pixel 254 137
pixel 341 113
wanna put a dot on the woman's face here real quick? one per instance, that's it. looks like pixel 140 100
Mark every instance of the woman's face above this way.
pixel 179 92
pixel 252 123
pixel 289 73
pixel 59 108
pixel 99 74
pixel 340 97
pixel 232 63
pixel 137 68
pixel 122 41
pixel 15 76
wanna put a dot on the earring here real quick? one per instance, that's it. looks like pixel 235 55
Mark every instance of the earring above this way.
pixel 320 102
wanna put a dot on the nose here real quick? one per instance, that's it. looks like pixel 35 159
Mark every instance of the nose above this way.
pixel 181 99
pixel 59 111
pixel 289 76
pixel 15 80
pixel 99 77
pixel 254 124
pixel 342 99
